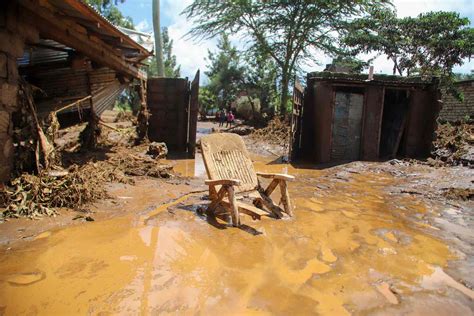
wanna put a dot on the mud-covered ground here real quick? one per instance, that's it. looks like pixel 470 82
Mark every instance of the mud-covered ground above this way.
pixel 367 238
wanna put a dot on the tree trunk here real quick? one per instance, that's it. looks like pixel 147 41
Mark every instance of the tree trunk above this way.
pixel 284 93
pixel 158 40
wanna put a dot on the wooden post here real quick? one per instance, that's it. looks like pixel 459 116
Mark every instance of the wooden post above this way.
pixel 285 198
pixel 234 211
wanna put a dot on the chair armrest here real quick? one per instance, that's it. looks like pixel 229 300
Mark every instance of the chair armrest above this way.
pixel 279 176
pixel 223 182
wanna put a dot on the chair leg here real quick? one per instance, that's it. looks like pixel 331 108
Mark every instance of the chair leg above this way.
pixel 271 187
pixel 285 198
pixel 216 198
pixel 234 210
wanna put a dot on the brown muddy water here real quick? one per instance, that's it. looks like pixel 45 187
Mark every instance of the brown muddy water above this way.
pixel 352 249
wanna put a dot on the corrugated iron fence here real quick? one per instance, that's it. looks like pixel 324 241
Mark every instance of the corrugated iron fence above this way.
pixel 173 105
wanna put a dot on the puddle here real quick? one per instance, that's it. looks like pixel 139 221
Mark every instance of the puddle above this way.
pixel 326 260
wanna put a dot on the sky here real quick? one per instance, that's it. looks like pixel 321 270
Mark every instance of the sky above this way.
pixel 191 55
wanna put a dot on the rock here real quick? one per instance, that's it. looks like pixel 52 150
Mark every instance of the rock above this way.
pixel 157 150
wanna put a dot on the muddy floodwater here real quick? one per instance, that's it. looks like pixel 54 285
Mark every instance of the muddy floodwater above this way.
pixel 352 249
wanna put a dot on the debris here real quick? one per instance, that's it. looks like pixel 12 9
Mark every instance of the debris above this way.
pixel 34 196
pixel 90 134
pixel 464 194
pixel 276 132
pixel 454 143
pixel 157 150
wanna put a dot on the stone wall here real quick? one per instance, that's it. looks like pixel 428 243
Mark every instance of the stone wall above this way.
pixel 14 32
pixel 454 109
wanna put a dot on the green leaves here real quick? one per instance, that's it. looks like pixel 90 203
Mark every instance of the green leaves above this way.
pixel 428 45
pixel 225 72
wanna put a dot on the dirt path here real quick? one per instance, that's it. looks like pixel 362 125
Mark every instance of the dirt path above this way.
pixel 367 238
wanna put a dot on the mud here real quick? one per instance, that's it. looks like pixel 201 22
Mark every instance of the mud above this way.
pixel 366 239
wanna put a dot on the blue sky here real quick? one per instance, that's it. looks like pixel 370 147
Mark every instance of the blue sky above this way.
pixel 191 55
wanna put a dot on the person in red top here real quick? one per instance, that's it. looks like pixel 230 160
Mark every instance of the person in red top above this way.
pixel 230 119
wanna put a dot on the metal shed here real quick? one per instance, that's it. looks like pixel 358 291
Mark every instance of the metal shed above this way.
pixel 346 117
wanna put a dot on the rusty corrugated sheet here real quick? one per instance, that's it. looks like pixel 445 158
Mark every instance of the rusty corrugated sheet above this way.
pixel 322 119
pixel 105 97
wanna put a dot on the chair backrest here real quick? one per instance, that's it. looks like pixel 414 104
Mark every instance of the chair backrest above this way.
pixel 226 157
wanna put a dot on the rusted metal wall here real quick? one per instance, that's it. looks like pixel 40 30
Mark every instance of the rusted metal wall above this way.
pixel 374 97
pixel 323 97
pixel 168 101
pixel 193 115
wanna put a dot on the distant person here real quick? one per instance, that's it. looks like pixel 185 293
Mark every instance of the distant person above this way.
pixel 222 118
pixel 218 116
pixel 230 119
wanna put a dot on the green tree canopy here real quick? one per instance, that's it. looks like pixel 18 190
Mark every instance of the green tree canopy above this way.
pixel 108 8
pixel 430 44
pixel 347 63
pixel 260 79
pixel 288 31
pixel 225 72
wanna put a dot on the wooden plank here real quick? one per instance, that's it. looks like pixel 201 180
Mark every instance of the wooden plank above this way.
pixel 234 211
pixel 72 35
pixel 285 198
pixel 106 25
pixel 271 187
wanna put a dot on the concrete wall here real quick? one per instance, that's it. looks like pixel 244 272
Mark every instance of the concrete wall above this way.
pixel 454 109
pixel 13 34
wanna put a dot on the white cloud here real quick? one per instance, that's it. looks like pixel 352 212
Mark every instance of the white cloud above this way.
pixel 191 55
pixel 144 26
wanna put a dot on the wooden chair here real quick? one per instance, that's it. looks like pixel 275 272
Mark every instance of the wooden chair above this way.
pixel 232 175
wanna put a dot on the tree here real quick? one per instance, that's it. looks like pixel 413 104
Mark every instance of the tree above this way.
pixel 260 80
pixel 430 44
pixel 207 100
pixel 171 67
pixel 347 63
pixel 288 31
pixel 225 72
pixel 108 8
pixel 158 40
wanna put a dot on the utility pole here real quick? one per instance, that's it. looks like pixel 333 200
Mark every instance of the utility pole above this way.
pixel 158 40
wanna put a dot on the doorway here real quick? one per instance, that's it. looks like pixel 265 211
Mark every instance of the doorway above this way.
pixel 394 119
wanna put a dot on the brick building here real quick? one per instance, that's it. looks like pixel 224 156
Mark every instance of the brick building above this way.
pixel 453 109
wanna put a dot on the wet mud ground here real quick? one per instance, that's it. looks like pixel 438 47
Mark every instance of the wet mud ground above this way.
pixel 366 239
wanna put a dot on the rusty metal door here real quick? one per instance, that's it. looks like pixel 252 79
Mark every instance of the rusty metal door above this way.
pixel 296 121
pixel 193 115
pixel 168 102
pixel 347 126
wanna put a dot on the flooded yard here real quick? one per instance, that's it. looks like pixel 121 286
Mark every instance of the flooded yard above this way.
pixel 353 247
